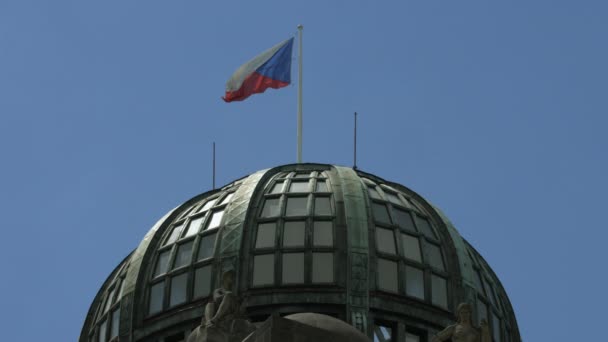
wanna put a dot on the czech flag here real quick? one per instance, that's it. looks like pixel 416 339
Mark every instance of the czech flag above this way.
pixel 270 69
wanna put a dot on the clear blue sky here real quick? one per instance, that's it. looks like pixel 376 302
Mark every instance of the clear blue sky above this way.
pixel 494 111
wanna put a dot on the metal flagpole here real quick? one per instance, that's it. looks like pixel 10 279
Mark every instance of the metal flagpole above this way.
pixel 214 165
pixel 355 149
pixel 300 27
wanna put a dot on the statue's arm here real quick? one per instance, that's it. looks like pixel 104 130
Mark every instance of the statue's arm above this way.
pixel 444 334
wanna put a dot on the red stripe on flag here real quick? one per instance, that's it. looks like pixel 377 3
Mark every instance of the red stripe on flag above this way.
pixel 253 84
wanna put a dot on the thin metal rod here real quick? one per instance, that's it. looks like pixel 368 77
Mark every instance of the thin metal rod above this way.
pixel 214 165
pixel 299 160
pixel 355 151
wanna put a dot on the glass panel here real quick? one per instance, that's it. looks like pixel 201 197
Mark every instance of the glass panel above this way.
pixel 383 334
pixel 184 255
pixel 411 338
pixel 277 188
pixel 156 298
pixel 322 206
pixel 387 275
pixel 440 291
pixel 495 328
pixel 174 234
pixel 271 208
pixel 404 220
pixel 381 213
pixel 373 193
pixel 411 247
pixel 434 257
pixel 414 282
pixel 178 289
pixel 115 323
pixel 323 234
pixel 293 233
pixel 109 301
pixel 216 219
pixel 102 331
pixel 227 198
pixel 322 267
pixel 194 226
pixel 385 240
pixel 266 235
pixel 477 279
pixel 293 268
pixel 162 263
pixel 206 247
pixel 208 205
pixel 296 206
pixel 263 269
pixel 322 186
pixel 482 311
pixel 302 175
pixel 298 187
pixel 202 282
pixel 393 198
pixel 425 227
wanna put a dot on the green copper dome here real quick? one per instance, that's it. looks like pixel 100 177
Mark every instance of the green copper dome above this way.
pixel 303 238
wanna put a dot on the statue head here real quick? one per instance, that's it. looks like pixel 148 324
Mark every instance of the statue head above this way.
pixel 464 312
pixel 228 279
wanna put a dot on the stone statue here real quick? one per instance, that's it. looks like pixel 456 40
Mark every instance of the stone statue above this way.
pixel 224 319
pixel 464 331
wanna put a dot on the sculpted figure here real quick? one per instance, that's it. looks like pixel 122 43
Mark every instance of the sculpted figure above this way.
pixel 224 319
pixel 463 330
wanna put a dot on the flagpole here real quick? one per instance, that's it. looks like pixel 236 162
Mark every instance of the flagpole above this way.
pixel 300 27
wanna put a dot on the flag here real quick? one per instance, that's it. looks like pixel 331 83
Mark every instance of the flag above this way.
pixel 270 69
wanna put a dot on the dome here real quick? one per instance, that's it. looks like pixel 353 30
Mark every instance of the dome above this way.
pixel 302 238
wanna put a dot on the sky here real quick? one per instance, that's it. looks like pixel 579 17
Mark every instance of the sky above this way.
pixel 495 112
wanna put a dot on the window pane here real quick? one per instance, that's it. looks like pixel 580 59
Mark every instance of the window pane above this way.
pixel 322 206
pixel 296 206
pixel 411 247
pixel 387 275
pixel 202 281
pixel 495 328
pixel 115 323
pixel 178 289
pixel 477 279
pixel 323 234
pixel 440 291
pixel 206 247
pixel 277 188
pixel 381 213
pixel 322 186
pixel 293 233
pixel 482 311
pixel 208 205
pixel 385 240
pixel 489 291
pixel 373 193
pixel 298 186
pixel 102 331
pixel 109 301
pixel 434 257
pixel 184 255
pixel 302 175
pixel 156 298
pixel 216 219
pixel 414 282
pixel 162 263
pixel 174 234
pixel 194 226
pixel 271 208
pixel 263 269
pixel 393 198
pixel 227 198
pixel 383 334
pixel 411 338
pixel 425 227
pixel 322 267
pixel 404 220
pixel 293 268
pixel 266 235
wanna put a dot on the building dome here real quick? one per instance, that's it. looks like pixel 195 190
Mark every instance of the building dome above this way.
pixel 303 238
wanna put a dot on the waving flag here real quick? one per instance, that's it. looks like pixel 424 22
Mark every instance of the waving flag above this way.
pixel 270 69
